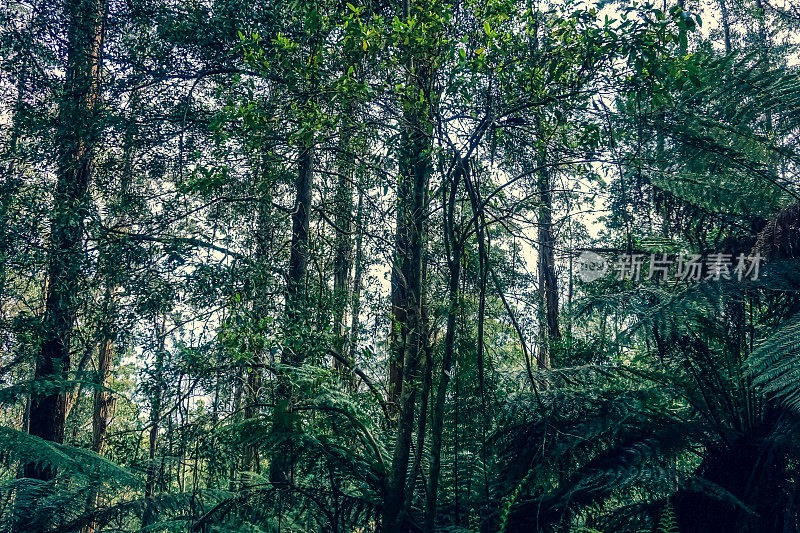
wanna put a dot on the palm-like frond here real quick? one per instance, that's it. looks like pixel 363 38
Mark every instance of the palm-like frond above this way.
pixel 775 364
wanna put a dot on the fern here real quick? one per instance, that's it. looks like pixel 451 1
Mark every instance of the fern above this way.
pixel 775 365
pixel 62 458
pixel 667 522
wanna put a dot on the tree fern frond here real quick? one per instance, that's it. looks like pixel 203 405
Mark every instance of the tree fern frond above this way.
pixel 775 365
pixel 63 458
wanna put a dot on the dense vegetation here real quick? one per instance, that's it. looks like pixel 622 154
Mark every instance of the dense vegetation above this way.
pixel 314 265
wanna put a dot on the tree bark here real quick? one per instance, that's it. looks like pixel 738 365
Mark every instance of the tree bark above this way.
pixel 453 247
pixel 280 468
pixel 76 137
pixel 407 282
pixel 343 245
pixel 358 269
pixel 548 284
pixel 156 405
pixel 726 29
pixel 251 460
pixel 104 401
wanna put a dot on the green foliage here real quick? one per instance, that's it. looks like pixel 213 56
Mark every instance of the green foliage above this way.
pixel 667 523
pixel 774 366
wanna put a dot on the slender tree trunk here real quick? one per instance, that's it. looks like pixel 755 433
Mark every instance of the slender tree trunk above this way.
pixel 764 49
pixel 76 136
pixel 407 283
pixel 238 387
pixel 399 292
pixel 251 459
pixel 156 405
pixel 280 468
pixel 298 260
pixel 343 242
pixel 483 274
pixel 424 394
pixel 437 416
pixel 358 268
pixel 104 401
pixel 548 284
pixel 482 237
pixel 726 29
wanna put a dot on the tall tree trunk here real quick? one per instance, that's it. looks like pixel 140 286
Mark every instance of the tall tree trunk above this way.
pixel 482 237
pixel 764 50
pixel 426 360
pixel 76 136
pixel 238 386
pixel 358 268
pixel 103 410
pixel 251 459
pixel 453 247
pixel 156 407
pixel 407 281
pixel 548 284
pixel 103 401
pixel 280 468
pixel 399 292
pixel 296 327
pixel 726 29
pixel 343 242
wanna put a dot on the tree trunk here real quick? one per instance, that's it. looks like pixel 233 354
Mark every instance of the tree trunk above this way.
pixel 426 360
pixel 76 137
pixel 358 269
pixel 437 416
pixel 726 29
pixel 482 237
pixel 156 404
pixel 280 468
pixel 407 285
pixel 343 242
pixel 548 284
pixel 399 292
pixel 251 460
pixel 104 401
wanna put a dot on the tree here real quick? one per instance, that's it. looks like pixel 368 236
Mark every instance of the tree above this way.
pixel 76 138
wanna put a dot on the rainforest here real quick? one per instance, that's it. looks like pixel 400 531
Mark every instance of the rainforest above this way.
pixel 400 266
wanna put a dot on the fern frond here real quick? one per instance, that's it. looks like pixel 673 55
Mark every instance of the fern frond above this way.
pixel 63 458
pixel 775 364
pixel 667 522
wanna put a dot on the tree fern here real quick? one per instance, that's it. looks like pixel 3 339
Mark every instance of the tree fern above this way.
pixel 775 364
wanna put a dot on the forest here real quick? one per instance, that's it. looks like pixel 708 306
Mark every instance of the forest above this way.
pixel 400 266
